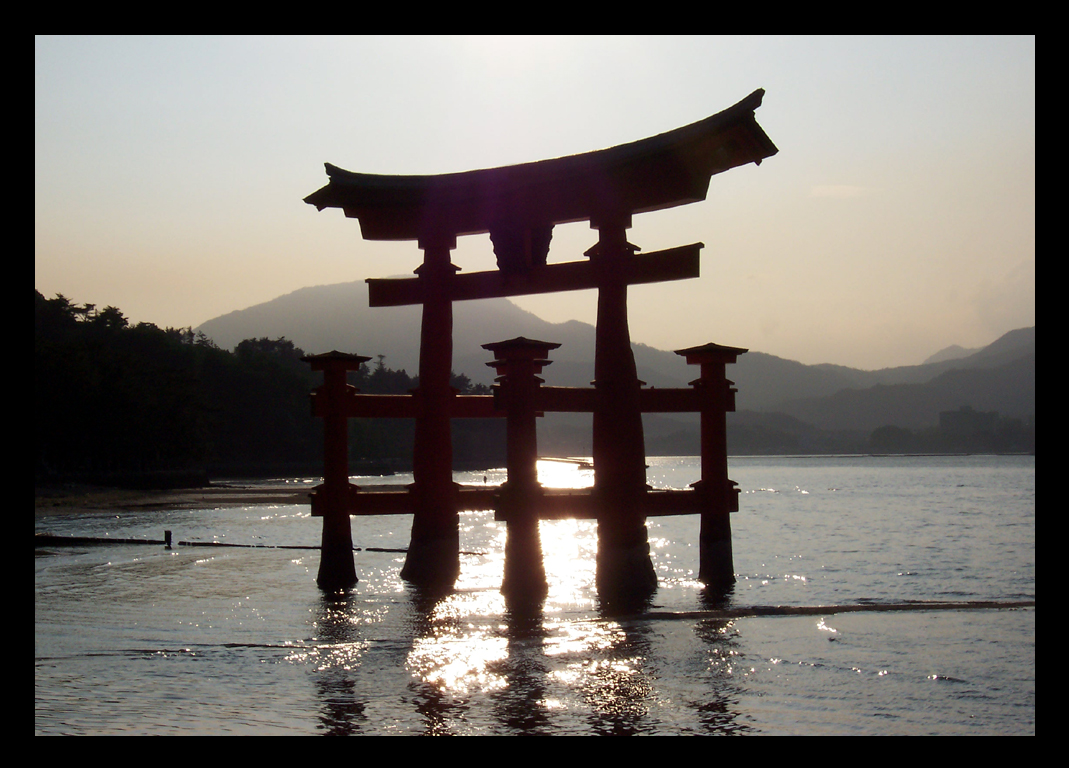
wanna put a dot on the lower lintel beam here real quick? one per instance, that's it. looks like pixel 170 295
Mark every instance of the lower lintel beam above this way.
pixel 680 263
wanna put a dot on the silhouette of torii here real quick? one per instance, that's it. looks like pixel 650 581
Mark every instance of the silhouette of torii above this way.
pixel 519 206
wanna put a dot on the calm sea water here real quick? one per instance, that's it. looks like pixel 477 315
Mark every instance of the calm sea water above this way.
pixel 134 639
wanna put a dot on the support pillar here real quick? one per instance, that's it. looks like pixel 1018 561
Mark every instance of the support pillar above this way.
pixel 717 495
pixel 518 363
pixel 331 500
pixel 624 567
pixel 434 552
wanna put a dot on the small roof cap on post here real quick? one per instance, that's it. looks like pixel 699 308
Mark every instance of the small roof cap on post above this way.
pixel 711 353
pixel 335 359
pixel 521 347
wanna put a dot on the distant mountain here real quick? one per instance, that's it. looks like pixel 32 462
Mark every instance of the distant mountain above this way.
pixel 1000 376
pixel 1004 349
pixel 953 352
pixel 326 317
pixel 322 318
pixel 1009 388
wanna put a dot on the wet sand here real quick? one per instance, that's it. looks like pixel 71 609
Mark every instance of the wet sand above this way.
pixel 72 500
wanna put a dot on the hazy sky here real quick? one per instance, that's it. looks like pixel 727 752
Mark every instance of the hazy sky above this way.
pixel 898 217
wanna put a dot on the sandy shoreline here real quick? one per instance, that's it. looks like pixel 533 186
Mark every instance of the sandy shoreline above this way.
pixel 68 500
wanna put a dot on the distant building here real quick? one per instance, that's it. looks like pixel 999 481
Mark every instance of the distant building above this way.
pixel 965 422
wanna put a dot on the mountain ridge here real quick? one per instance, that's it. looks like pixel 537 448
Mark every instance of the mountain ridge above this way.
pixel 337 316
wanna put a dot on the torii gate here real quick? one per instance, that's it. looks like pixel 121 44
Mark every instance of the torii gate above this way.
pixel 518 206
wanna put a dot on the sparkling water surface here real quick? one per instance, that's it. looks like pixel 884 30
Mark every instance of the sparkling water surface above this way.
pixel 141 640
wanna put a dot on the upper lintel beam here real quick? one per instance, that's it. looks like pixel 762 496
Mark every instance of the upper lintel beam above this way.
pixel 651 174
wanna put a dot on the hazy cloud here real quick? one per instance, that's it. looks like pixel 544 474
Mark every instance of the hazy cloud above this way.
pixel 839 190
pixel 1009 302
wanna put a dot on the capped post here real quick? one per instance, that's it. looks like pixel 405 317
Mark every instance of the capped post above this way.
pixel 718 496
pixel 331 500
pixel 518 363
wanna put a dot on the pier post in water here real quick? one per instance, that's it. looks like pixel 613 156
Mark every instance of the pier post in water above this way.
pixel 434 550
pixel 330 501
pixel 717 495
pixel 518 363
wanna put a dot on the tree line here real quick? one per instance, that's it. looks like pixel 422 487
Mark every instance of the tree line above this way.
pixel 135 404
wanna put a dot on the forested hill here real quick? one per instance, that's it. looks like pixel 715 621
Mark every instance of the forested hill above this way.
pixel 132 404
pixel 140 405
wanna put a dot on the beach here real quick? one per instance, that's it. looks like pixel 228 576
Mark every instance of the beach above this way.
pixel 77 499
pixel 832 627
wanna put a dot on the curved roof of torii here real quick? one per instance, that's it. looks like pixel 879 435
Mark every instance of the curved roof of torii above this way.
pixel 662 171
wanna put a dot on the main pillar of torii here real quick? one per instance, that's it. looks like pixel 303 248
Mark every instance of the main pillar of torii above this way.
pixel 518 206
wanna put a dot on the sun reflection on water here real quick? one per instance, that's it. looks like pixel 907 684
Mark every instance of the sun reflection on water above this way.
pixel 460 660
pixel 571 473
pixel 472 640
pixel 558 653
